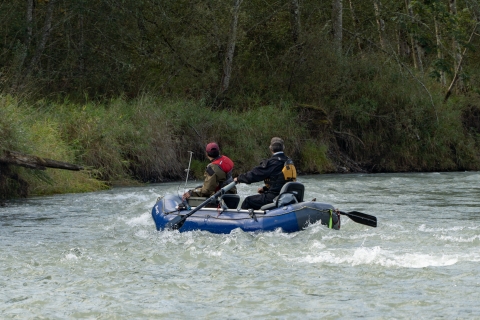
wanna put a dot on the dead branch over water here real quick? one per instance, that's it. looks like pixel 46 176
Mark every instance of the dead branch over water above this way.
pixel 34 162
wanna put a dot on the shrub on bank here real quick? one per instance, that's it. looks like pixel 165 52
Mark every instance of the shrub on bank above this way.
pixel 357 115
pixel 146 139
pixel 32 130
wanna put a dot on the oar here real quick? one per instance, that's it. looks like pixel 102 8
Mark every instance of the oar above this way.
pixel 362 218
pixel 177 222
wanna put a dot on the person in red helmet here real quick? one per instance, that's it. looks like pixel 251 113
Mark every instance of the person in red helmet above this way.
pixel 217 174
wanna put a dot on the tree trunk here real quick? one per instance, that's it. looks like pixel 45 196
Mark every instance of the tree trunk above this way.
pixel 380 24
pixel 295 20
pixel 403 46
pixel 34 162
pixel 355 22
pixel 456 48
pixel 416 49
pixel 47 28
pixel 439 50
pixel 457 70
pixel 296 30
pixel 232 39
pixel 337 25
pixel 81 60
pixel 27 42
pixel 29 16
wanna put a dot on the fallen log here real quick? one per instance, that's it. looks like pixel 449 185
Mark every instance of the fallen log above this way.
pixel 34 162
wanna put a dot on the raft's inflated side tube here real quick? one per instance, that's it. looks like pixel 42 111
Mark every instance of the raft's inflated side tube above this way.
pixel 168 205
pixel 311 212
pixel 290 218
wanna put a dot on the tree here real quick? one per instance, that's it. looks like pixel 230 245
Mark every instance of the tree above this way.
pixel 416 49
pixel 44 37
pixel 356 24
pixel 457 54
pixel 380 23
pixel 295 20
pixel 337 25
pixel 232 39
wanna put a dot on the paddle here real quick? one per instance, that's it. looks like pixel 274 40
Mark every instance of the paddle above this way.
pixel 362 218
pixel 177 222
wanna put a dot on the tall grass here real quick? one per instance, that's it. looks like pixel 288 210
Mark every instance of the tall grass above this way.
pixel 377 116
pixel 27 129
pixel 146 139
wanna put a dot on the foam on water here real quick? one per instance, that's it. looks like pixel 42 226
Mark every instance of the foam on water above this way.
pixel 98 255
pixel 144 219
pixel 381 257
pixel 458 239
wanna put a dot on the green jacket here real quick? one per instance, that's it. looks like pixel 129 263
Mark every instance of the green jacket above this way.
pixel 214 177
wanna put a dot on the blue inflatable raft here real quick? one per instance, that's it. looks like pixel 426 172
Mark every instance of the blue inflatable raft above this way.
pixel 219 214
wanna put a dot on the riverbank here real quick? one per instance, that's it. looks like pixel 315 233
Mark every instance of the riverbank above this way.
pixel 148 139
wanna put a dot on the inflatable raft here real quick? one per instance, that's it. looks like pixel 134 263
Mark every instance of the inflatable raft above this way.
pixel 288 218
pixel 219 214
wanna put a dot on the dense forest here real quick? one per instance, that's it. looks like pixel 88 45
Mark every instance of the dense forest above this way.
pixel 126 87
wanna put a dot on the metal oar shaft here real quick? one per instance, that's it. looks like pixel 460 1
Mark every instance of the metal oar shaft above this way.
pixel 178 221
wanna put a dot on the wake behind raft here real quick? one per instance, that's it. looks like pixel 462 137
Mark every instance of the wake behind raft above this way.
pixel 219 213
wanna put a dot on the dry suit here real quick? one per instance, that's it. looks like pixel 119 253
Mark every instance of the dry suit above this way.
pixel 270 171
pixel 217 175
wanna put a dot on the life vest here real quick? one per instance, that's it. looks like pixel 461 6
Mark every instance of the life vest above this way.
pixel 226 164
pixel 288 173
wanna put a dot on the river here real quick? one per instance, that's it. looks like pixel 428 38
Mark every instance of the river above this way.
pixel 98 256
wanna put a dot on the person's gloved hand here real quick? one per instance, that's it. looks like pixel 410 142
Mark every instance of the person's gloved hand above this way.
pixel 187 195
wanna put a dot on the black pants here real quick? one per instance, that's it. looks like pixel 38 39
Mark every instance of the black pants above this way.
pixel 256 201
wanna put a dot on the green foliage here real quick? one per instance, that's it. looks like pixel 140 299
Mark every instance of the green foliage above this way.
pixel 384 120
pixel 197 169
pixel 177 48
pixel 379 126
pixel 12 128
pixel 143 87
pixel 37 132
pixel 314 158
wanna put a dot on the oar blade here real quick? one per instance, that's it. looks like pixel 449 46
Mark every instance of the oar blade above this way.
pixel 362 218
pixel 176 223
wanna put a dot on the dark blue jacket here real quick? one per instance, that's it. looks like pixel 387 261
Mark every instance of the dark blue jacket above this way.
pixel 270 171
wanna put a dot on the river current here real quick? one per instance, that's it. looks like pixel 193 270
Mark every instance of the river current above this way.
pixel 98 256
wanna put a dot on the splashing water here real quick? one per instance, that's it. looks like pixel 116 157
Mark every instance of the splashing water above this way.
pixel 98 255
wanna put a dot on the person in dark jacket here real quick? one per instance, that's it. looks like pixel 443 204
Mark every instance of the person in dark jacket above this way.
pixel 217 174
pixel 270 171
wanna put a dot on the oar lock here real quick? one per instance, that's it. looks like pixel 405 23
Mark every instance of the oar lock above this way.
pixel 183 206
